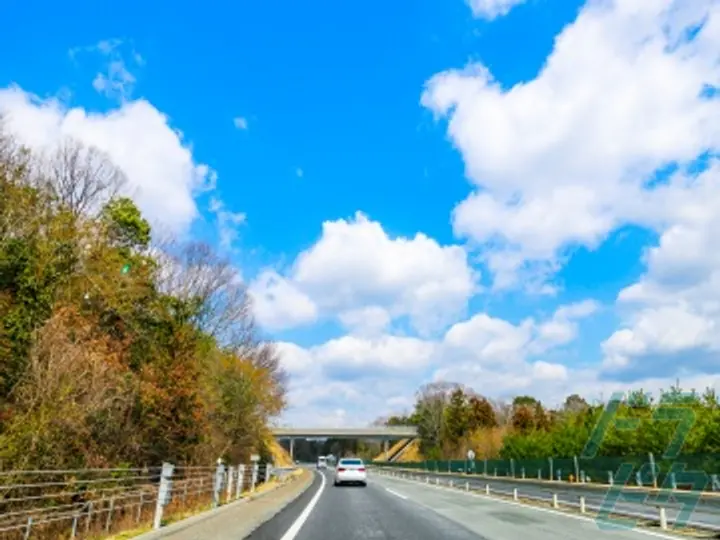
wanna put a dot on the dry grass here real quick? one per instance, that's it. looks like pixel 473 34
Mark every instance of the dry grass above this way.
pixel 487 442
pixel 412 454
pixel 394 448
pixel 280 456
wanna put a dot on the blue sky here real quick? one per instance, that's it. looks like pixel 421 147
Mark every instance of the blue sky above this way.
pixel 417 190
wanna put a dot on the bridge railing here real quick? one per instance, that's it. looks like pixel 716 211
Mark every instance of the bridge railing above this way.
pixel 89 503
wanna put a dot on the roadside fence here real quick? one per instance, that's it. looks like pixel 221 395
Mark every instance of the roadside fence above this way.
pixel 644 471
pixel 94 503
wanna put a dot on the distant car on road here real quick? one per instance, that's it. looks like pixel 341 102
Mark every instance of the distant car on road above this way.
pixel 350 471
pixel 322 462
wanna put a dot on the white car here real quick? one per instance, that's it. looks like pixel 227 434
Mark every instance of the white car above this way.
pixel 322 462
pixel 350 471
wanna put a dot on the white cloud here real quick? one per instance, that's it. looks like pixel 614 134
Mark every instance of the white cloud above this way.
pixel 240 122
pixel 118 82
pixel 491 9
pixel 564 158
pixel 367 377
pixel 162 175
pixel 356 265
pixel 368 321
pixel 672 314
pixel 279 304
pixel 115 80
pixel 227 223
pixel 379 374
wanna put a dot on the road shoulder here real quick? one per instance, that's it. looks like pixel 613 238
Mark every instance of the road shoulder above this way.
pixel 239 519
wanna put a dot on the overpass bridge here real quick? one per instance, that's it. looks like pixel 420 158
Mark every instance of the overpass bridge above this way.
pixel 382 433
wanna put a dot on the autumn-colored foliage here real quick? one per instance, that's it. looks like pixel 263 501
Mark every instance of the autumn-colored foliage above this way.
pixel 114 349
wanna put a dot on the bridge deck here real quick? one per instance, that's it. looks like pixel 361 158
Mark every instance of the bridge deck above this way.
pixel 401 432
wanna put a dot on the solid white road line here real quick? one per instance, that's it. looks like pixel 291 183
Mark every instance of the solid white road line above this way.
pixel 396 493
pixel 293 531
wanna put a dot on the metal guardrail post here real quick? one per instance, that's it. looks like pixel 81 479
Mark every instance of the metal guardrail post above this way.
pixel 653 472
pixel 231 479
pixel 663 519
pixel 240 480
pixel 555 500
pixel 163 493
pixel 254 477
pixel 582 505
pixel 515 494
pixel 218 483
pixel 577 468
pixel 108 520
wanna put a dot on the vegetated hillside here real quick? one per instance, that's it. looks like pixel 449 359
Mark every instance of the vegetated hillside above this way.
pixel 280 456
pixel 114 351
pixel 452 418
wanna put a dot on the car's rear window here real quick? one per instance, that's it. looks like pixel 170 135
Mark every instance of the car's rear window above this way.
pixel 351 462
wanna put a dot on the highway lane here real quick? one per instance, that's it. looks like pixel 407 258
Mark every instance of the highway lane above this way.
pixel 403 510
pixel 707 511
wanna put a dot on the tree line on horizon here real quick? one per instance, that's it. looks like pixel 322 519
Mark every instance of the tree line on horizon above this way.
pixel 452 418
pixel 116 347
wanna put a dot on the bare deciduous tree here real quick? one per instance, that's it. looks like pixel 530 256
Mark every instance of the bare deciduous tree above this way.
pixel 81 177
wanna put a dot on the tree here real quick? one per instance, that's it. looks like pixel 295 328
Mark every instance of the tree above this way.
pixel 481 414
pixel 523 419
pixel 100 366
pixel 429 416
pixel 81 178
pixel 127 229
pixel 456 417
pixel 575 404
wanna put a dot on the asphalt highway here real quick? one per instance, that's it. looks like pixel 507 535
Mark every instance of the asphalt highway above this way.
pixel 706 511
pixel 397 509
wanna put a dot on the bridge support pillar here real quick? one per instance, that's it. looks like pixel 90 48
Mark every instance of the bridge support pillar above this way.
pixel 292 449
pixel 386 449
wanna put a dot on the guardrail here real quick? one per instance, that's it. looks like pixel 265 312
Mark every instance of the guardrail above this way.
pixel 84 503
pixel 670 508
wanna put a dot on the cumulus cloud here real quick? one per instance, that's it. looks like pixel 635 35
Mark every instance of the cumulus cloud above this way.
pixel 355 265
pixel 240 122
pixel 493 355
pixel 567 157
pixel 162 175
pixel 279 304
pixel 672 314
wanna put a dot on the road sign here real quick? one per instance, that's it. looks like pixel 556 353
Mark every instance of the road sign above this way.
pixel 254 458
pixel 471 455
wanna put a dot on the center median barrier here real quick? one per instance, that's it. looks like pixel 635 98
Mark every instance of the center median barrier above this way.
pixel 672 510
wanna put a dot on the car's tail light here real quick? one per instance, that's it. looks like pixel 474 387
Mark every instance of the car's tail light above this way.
pixel 361 469
pixel 341 469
